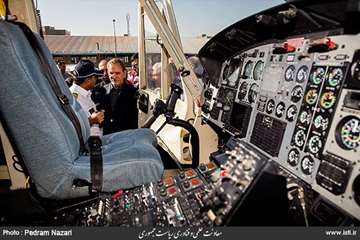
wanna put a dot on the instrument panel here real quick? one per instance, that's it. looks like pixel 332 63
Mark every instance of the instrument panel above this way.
pixel 299 107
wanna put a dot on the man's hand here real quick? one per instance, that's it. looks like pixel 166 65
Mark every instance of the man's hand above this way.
pixel 96 118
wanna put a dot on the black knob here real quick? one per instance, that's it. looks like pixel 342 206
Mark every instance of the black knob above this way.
pixel 208 94
pixel 205 108
pixel 163 192
pixel 182 175
pixel 223 197
pixel 202 167
pixel 186 184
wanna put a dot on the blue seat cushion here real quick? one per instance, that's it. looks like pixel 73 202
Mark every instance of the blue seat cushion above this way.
pixel 47 140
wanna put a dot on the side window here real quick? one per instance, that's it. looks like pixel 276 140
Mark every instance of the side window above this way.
pixel 153 58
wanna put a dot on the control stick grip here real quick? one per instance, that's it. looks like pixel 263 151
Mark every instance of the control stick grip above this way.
pixel 176 91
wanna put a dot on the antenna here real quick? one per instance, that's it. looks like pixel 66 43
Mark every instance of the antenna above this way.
pixel 128 23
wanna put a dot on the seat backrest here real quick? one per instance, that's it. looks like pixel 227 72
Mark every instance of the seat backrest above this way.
pixel 42 132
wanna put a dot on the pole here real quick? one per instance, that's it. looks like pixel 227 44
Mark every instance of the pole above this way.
pixel 115 45
pixel 97 52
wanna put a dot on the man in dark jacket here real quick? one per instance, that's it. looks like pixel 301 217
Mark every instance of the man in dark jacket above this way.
pixel 121 112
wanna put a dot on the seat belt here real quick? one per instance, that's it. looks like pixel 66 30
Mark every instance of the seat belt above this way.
pixel 96 163
pixel 95 144
pixel 64 101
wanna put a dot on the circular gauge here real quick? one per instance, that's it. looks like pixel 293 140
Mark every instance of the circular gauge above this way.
pixel 300 138
pixel 356 189
pixel 327 100
pixel 315 144
pixel 318 75
pixel 335 77
pixel 243 90
pixel 225 71
pixel 280 109
pixel 296 94
pixel 305 117
pixel 320 122
pixel 270 106
pixel 311 97
pixel 355 71
pixel 302 74
pixel 290 73
pixel 291 113
pixel 258 70
pixel 254 89
pixel 348 132
pixel 247 69
pixel 307 165
pixel 233 79
pixel 294 157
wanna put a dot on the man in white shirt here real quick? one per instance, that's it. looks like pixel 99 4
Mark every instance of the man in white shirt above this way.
pixel 86 76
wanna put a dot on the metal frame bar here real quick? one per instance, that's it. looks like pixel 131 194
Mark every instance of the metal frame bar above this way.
pixel 171 42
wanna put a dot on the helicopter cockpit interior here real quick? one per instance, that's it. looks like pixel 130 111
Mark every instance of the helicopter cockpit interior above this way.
pixel 282 93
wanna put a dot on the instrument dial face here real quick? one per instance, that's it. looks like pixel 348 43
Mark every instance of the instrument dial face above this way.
pixel 280 110
pixel 258 70
pixel 348 133
pixel 305 117
pixel 225 71
pixel 243 90
pixel 297 94
pixel 315 144
pixel 302 74
pixel 233 78
pixel 307 165
pixel 311 97
pixel 321 123
pixel 327 100
pixel 300 138
pixel 254 89
pixel 270 106
pixel 290 73
pixel 318 75
pixel 294 157
pixel 247 70
pixel 335 77
pixel 291 113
